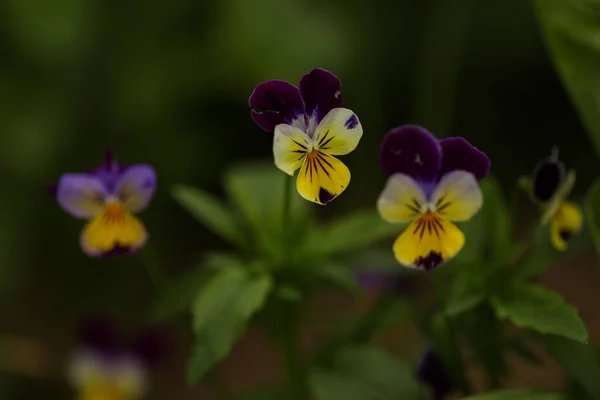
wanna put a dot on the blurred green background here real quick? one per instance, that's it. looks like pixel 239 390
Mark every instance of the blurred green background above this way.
pixel 167 83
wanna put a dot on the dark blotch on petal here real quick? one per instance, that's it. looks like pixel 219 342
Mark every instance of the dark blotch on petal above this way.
pixel 566 235
pixel 411 150
pixel 275 102
pixel 458 154
pixel 321 91
pixel 547 178
pixel 119 251
pixel 352 122
pixel 434 374
pixel 430 261
pixel 325 197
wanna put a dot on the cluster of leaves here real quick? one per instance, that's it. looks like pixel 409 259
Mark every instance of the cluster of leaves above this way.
pixel 276 265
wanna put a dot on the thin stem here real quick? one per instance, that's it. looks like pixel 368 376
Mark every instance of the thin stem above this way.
pixel 286 212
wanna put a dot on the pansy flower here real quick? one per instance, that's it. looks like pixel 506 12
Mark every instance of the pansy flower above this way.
pixel 432 184
pixel 106 197
pixel 310 128
pixel 550 187
pixel 104 367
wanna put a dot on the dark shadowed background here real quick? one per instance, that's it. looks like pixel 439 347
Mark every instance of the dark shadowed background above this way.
pixel 166 82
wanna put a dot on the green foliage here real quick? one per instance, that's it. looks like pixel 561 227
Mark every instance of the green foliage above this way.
pixel 533 306
pixel 517 394
pixel 570 28
pixel 182 290
pixel 360 373
pixel 579 360
pixel 348 233
pixel 464 297
pixel 221 312
pixel 210 212
pixel 592 213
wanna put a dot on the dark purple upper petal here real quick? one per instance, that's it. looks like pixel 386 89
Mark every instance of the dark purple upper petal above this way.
pixel 458 154
pixel 109 172
pixel 548 177
pixel 275 102
pixel 433 373
pixel 411 150
pixel 102 335
pixel 321 91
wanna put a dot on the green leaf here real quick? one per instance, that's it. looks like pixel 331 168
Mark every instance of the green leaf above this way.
pixel 220 314
pixel 580 361
pixel 517 394
pixel 257 190
pixel 181 291
pixel 361 373
pixel 338 274
pixel 592 213
pixel 464 297
pixel 535 307
pixel 539 257
pixel 350 233
pixel 570 28
pixel 288 292
pixel 264 394
pixel 497 221
pixel 210 212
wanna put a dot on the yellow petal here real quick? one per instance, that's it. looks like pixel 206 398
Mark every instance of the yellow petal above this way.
pixel 339 132
pixel 101 392
pixel 457 197
pixel 428 242
pixel 290 146
pixel 322 178
pixel 402 199
pixel 565 222
pixel 114 227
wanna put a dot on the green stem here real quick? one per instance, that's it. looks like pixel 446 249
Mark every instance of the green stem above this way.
pixel 369 325
pixel 286 213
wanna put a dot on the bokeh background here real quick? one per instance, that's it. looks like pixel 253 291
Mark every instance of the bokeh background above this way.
pixel 166 82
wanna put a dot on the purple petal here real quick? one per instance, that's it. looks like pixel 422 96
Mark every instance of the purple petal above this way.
pixel 321 91
pixel 153 346
pixel 275 102
pixel 411 150
pixel 434 374
pixel 81 195
pixel 101 335
pixel 136 186
pixel 109 172
pixel 458 154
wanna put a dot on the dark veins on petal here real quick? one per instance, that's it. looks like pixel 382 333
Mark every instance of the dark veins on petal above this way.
pixel 547 178
pixel 458 154
pixel 351 122
pixel 321 91
pixel 275 102
pixel 411 150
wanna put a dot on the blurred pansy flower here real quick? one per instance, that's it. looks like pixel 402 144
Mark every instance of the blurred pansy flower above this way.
pixel 550 187
pixel 106 197
pixel 103 367
pixel 432 184
pixel 433 373
pixel 310 128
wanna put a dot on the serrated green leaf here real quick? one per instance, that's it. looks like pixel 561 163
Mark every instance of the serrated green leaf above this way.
pixel 579 360
pixel 257 190
pixel 220 314
pixel 361 373
pixel 209 211
pixel 533 306
pixel 517 394
pixel 350 233
pixel 571 29
pixel 181 291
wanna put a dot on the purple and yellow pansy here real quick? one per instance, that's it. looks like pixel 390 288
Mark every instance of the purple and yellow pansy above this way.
pixel 310 128
pixel 550 187
pixel 106 367
pixel 432 184
pixel 107 197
